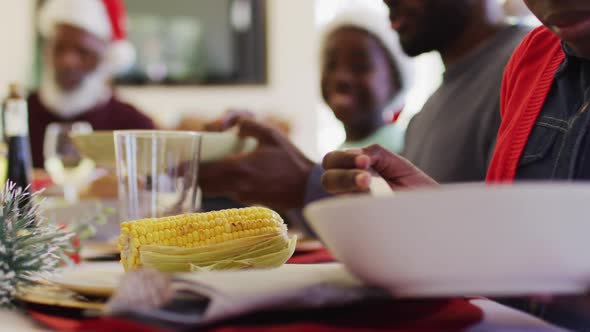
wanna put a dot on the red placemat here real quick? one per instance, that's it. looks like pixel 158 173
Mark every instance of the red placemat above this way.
pixel 63 324
pixel 396 316
pixel 318 256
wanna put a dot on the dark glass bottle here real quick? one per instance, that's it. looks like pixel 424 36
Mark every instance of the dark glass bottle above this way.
pixel 15 118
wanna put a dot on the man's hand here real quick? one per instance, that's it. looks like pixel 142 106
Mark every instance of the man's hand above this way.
pixel 228 120
pixel 348 171
pixel 275 174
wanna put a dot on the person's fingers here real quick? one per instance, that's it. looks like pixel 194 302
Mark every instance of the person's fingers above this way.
pixel 235 117
pixel 396 169
pixel 345 181
pixel 346 160
pixel 244 113
pixel 387 162
pixel 264 134
pixel 215 126
pixel 228 120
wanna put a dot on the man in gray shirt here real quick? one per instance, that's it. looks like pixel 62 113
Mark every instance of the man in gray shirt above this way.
pixel 453 137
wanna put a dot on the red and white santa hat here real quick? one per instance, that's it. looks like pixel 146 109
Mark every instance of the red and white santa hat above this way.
pixel 106 19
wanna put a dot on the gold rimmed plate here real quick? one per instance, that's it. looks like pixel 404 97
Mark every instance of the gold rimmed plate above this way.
pixel 48 295
pixel 90 279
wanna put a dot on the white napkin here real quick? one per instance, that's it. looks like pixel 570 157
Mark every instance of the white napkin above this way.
pixel 230 294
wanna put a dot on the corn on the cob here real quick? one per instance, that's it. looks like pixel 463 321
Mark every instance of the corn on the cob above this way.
pixel 214 240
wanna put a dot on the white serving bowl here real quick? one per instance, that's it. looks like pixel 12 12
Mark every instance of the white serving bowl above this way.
pixel 463 240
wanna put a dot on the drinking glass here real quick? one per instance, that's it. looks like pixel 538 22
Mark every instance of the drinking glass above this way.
pixel 157 173
pixel 63 162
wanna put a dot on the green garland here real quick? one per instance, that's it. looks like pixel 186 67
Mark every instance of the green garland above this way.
pixel 30 247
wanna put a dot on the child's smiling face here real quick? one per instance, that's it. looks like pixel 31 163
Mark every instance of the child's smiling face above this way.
pixel 358 76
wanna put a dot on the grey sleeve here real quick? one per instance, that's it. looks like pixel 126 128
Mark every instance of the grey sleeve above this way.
pixel 408 139
pixel 314 191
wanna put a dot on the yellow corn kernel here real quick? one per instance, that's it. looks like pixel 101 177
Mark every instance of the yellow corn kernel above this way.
pixel 195 230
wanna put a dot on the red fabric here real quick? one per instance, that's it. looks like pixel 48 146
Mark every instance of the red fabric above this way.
pixel 118 17
pixel 402 316
pixel 395 316
pixel 62 324
pixel 318 256
pixel 527 80
pixel 41 183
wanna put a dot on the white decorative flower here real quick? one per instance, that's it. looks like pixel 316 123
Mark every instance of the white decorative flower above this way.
pixel 29 245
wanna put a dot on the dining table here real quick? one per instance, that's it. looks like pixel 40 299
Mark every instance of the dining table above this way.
pixel 471 314
pixel 397 315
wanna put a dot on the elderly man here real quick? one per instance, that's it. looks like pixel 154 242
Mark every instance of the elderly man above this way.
pixel 84 47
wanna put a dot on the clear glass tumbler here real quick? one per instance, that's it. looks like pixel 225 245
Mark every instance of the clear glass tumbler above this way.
pixel 157 173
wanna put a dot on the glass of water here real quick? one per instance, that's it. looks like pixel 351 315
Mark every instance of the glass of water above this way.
pixel 157 173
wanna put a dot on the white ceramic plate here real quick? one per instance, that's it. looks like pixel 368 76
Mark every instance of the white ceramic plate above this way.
pixel 463 240
pixel 100 146
pixel 95 279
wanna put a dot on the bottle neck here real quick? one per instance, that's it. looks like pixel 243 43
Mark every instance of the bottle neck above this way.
pixel 16 118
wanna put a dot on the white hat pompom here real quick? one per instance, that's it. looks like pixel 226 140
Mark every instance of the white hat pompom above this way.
pixel 121 56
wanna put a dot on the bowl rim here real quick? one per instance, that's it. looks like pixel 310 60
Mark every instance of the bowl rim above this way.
pixel 156 133
pixel 475 187
pixel 93 133
pixel 204 134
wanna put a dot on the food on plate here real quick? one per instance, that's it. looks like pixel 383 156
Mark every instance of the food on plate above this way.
pixel 103 187
pixel 253 237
